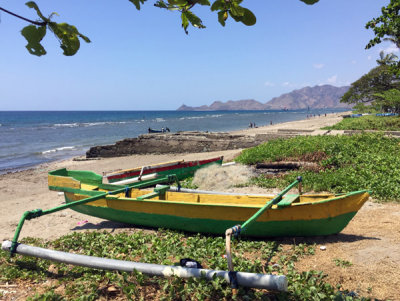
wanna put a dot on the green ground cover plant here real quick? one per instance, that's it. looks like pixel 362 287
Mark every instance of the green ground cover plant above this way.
pixel 164 247
pixel 342 263
pixel 345 163
pixel 369 122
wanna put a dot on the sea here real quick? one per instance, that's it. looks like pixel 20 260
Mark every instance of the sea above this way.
pixel 30 138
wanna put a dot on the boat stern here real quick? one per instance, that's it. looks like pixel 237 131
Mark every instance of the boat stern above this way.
pixel 61 179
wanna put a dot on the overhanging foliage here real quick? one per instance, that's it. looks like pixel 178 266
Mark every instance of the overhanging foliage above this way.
pixel 377 80
pixel 69 36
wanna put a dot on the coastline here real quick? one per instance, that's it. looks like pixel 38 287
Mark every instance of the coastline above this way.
pixel 40 137
pixel 27 189
pixel 372 245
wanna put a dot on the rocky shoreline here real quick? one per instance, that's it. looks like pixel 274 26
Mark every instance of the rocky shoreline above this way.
pixel 200 142
pixel 182 142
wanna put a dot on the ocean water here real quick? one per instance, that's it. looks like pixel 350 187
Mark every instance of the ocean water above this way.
pixel 29 138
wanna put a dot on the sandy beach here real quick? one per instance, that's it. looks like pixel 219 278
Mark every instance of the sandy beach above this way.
pixel 371 241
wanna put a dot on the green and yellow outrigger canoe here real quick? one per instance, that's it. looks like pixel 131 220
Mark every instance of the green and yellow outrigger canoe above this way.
pixel 289 215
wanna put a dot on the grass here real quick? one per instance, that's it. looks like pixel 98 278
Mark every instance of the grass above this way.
pixel 342 263
pixel 165 247
pixel 345 163
pixel 389 123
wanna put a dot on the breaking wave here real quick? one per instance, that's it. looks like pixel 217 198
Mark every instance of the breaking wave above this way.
pixel 200 117
pixel 58 149
pixel 86 124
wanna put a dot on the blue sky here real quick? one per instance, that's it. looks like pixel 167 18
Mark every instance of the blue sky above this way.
pixel 142 60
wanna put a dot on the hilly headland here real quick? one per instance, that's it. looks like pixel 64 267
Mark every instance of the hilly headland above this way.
pixel 317 97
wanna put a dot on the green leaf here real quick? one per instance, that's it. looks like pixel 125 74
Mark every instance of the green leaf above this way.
pixel 161 4
pixel 204 2
pixel 178 2
pixel 33 5
pixel 234 17
pixel 222 16
pixel 310 2
pixel 194 20
pixel 68 36
pixel 218 5
pixel 137 3
pixel 34 36
pixel 237 11
pixel 185 22
pixel 249 18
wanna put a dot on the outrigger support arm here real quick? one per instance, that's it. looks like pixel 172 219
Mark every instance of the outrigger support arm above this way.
pixel 268 205
pixel 39 212
pixel 236 230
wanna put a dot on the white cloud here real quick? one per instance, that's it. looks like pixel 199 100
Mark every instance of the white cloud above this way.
pixel 318 66
pixel 269 84
pixel 286 84
pixel 354 62
pixel 391 49
pixel 332 80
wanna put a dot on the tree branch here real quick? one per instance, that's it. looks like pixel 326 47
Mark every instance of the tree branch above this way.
pixel 25 19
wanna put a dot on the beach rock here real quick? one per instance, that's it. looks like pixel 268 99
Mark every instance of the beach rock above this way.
pixel 180 142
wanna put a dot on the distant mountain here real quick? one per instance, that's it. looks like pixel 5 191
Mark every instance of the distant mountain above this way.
pixel 317 97
pixel 248 104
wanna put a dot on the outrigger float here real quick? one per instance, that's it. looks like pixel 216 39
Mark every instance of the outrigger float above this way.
pixel 247 215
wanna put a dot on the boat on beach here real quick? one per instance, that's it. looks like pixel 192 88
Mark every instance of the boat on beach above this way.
pixel 206 212
pixel 182 169
pixel 289 215
pixel 152 131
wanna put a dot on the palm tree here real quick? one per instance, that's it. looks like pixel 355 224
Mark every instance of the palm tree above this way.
pixel 394 39
pixel 387 59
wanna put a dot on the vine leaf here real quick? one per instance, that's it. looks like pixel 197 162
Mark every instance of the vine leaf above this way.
pixel 34 35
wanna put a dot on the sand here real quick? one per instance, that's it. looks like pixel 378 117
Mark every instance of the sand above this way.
pixel 371 241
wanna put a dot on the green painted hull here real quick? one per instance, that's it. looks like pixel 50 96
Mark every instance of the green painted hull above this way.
pixel 315 227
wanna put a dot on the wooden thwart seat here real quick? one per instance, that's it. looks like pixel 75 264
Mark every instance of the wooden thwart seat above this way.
pixel 288 200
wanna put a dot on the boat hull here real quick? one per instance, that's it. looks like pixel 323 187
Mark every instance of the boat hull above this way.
pixel 181 169
pixel 323 217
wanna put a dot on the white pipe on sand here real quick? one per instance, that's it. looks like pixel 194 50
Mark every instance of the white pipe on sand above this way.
pixel 228 164
pixel 271 282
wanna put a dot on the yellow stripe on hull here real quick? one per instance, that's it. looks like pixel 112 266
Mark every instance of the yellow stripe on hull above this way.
pixel 233 208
